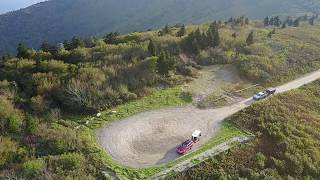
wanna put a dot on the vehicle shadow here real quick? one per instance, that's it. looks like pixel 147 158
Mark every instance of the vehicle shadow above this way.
pixel 171 155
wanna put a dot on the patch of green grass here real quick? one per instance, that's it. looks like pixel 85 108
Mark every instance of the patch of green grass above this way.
pixel 195 161
pixel 163 98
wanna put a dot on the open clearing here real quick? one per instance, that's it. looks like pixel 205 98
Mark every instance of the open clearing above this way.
pixel 150 138
pixel 214 79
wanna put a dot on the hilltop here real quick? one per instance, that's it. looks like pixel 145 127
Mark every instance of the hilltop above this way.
pixel 57 20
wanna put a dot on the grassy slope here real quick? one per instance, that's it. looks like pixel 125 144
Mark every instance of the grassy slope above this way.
pixel 287 145
pixel 289 53
pixel 263 47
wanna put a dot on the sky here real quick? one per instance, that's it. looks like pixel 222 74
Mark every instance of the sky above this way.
pixel 11 5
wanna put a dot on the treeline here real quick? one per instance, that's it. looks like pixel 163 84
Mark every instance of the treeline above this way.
pixel 289 21
pixel 238 21
pixel 198 40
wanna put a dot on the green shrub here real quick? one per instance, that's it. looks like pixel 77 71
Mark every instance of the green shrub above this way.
pixel 8 150
pixel 260 159
pixel 57 67
pixel 11 119
pixel 70 161
pixel 57 139
pixel 39 104
pixel 67 163
pixel 34 169
pixel 14 123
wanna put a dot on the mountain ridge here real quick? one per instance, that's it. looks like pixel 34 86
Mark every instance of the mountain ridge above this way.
pixel 56 20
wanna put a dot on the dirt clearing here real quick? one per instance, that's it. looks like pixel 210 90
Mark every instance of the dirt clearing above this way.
pixel 214 79
pixel 150 138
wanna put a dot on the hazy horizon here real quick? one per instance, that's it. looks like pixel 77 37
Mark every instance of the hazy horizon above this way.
pixel 12 5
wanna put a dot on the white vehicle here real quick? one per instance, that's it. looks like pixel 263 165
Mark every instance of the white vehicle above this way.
pixel 264 94
pixel 196 136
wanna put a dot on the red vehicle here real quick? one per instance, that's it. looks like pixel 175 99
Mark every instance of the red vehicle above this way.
pixel 185 147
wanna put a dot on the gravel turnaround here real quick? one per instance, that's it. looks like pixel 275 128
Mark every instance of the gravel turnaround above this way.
pixel 149 139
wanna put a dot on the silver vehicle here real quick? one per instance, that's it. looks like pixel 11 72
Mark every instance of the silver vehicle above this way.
pixel 264 94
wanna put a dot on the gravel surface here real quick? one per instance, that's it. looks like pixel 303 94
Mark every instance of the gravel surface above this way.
pixel 150 138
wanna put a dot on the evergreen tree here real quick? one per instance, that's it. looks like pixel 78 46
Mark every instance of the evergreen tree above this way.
pixel 290 22
pixel 284 25
pixel 111 38
pixel 213 37
pixel 296 22
pixel 46 47
pixel 23 51
pixel 311 21
pixel 266 21
pixel 241 21
pixel 199 39
pixel 216 39
pixel 247 21
pixel 164 31
pixel 249 40
pixel 195 48
pixel 182 31
pixel 73 44
pixel 271 22
pixel 151 48
pixel 190 44
pixel 76 42
pixel 165 63
pixel 277 21
pixel 230 20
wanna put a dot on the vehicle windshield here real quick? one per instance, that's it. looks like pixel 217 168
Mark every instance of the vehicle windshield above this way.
pixel 186 143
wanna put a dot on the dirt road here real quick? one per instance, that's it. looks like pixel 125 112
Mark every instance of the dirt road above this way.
pixel 150 138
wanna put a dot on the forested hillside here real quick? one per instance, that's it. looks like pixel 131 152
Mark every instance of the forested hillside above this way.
pixel 286 147
pixel 43 94
pixel 57 20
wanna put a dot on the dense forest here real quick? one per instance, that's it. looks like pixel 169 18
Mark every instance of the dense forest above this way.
pixel 286 145
pixel 43 92
pixel 57 20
